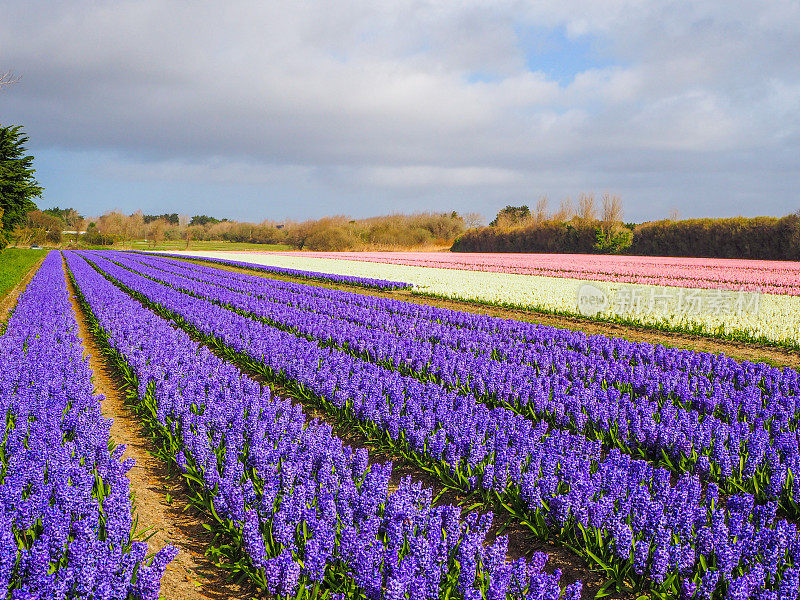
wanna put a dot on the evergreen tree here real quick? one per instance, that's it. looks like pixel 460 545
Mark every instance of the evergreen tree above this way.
pixel 511 215
pixel 17 184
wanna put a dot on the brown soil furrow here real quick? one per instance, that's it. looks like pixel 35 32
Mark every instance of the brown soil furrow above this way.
pixel 9 301
pixel 160 500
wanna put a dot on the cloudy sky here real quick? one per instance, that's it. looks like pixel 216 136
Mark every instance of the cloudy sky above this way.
pixel 251 109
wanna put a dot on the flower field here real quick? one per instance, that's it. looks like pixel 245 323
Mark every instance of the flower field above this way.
pixel 66 511
pixel 307 512
pixel 379 284
pixel 740 300
pixel 764 276
pixel 671 473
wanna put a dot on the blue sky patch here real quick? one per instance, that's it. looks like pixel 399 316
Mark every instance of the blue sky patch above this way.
pixel 554 53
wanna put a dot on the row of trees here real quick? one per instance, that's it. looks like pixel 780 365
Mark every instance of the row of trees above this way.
pixel 381 233
pixel 763 238
pixel 55 225
pixel 329 233
pixel 587 230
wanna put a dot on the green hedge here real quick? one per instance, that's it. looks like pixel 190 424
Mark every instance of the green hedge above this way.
pixel 765 238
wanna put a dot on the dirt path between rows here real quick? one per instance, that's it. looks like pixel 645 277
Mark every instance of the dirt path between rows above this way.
pixel 9 301
pixel 741 351
pixel 159 497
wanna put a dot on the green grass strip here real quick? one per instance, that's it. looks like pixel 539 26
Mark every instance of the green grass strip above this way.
pixel 14 264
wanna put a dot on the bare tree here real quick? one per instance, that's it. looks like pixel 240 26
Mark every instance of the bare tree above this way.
pixel 72 219
pixel 586 209
pixel 565 211
pixel 473 220
pixel 112 224
pixel 8 78
pixel 155 232
pixel 540 214
pixel 612 209
pixel 134 227
pixel 79 227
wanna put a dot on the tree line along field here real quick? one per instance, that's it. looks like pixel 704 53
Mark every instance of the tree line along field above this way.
pixel 514 229
pixel 666 473
pixel 517 230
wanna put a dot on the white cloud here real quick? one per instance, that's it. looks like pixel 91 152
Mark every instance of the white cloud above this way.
pixel 245 90
pixel 607 86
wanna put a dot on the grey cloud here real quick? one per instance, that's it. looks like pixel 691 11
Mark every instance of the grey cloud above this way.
pixel 365 94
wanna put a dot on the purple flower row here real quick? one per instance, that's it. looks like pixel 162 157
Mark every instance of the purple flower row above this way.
pixel 65 509
pixel 381 284
pixel 306 506
pixel 711 384
pixel 757 456
pixel 664 532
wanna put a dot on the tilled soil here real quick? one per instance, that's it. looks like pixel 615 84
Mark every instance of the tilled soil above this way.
pixel 160 500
